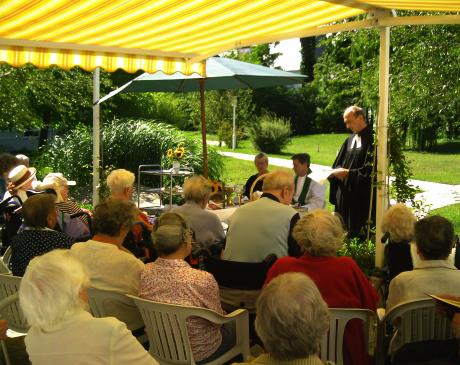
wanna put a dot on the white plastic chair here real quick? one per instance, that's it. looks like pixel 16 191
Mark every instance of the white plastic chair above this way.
pixel 6 258
pixel 105 303
pixel 9 307
pixel 416 320
pixel 166 328
pixel 332 342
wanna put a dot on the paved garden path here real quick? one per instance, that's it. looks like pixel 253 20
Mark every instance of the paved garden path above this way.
pixel 435 195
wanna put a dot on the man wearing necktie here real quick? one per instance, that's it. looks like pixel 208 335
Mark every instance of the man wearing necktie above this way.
pixel 308 193
pixel 351 182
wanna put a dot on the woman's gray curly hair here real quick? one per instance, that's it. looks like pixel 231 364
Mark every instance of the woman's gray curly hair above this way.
pixel 291 317
pixel 320 233
pixel 399 222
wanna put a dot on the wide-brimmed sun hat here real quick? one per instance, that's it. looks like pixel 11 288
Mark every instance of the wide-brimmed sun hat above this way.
pixel 57 178
pixel 21 175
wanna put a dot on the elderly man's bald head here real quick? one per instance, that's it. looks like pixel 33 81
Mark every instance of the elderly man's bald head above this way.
pixel 280 184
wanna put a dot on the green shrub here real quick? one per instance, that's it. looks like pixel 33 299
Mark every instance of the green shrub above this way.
pixel 363 252
pixel 125 144
pixel 225 134
pixel 270 134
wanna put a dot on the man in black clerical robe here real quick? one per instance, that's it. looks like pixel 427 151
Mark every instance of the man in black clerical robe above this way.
pixel 351 183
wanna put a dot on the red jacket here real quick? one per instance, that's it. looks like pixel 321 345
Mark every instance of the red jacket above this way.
pixel 342 285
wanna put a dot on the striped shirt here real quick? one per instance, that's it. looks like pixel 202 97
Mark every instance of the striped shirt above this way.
pixel 71 207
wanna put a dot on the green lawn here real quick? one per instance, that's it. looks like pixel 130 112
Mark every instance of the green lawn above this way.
pixel 437 167
pixel 441 165
pixel 451 212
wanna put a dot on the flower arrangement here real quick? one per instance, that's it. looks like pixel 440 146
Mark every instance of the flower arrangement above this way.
pixel 176 154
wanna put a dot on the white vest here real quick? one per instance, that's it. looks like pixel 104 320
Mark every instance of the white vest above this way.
pixel 258 229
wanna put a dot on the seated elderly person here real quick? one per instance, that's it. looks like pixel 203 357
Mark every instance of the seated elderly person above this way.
pixel 138 239
pixel 60 185
pixel 261 163
pixel 263 227
pixel 339 279
pixel 398 225
pixel 110 265
pixel 289 335
pixel 54 301
pixel 433 274
pixel 20 180
pixel 38 237
pixel 205 225
pixel 171 280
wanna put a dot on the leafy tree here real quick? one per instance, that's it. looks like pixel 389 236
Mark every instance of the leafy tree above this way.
pixel 346 73
pixel 425 86
pixel 259 55
pixel 45 98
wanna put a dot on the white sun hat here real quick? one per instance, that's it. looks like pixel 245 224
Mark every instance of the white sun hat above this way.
pixel 21 175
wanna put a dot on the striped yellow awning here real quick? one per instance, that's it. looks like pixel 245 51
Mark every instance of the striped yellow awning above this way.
pixel 164 35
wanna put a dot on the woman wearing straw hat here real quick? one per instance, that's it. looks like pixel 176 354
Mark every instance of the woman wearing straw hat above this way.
pixel 60 185
pixel 20 179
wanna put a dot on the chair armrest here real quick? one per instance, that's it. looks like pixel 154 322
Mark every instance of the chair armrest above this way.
pixel 218 318
pixel 5 303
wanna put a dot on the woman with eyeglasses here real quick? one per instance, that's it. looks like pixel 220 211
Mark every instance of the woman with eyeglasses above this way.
pixel 170 279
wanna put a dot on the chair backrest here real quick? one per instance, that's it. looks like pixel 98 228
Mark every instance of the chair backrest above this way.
pixel 105 303
pixel 332 341
pixel 7 256
pixel 416 320
pixel 239 275
pixel 251 190
pixel 9 285
pixel 166 329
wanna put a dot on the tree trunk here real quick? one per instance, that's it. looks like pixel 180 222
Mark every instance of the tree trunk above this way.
pixel 43 136
pixel 307 50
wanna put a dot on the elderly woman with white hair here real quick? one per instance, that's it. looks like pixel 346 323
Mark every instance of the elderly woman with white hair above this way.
pixel 121 185
pixel 54 301
pixel 398 224
pixel 206 225
pixel 339 279
pixel 290 335
pixel 171 280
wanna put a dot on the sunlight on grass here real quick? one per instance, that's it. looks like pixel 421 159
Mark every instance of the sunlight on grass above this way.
pixel 451 212
pixel 439 166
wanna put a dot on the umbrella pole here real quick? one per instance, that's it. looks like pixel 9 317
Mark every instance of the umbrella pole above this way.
pixel 203 129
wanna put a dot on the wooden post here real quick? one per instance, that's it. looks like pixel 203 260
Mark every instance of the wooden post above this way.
pixel 203 129
pixel 382 141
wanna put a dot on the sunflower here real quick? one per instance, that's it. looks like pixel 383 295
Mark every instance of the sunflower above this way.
pixel 179 153
pixel 170 153
pixel 216 186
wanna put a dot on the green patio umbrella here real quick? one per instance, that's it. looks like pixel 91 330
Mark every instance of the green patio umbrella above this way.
pixel 221 74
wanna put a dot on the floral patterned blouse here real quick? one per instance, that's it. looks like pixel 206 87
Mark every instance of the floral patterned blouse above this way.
pixel 176 282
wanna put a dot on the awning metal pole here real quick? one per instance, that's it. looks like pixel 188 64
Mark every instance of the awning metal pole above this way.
pixel 96 135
